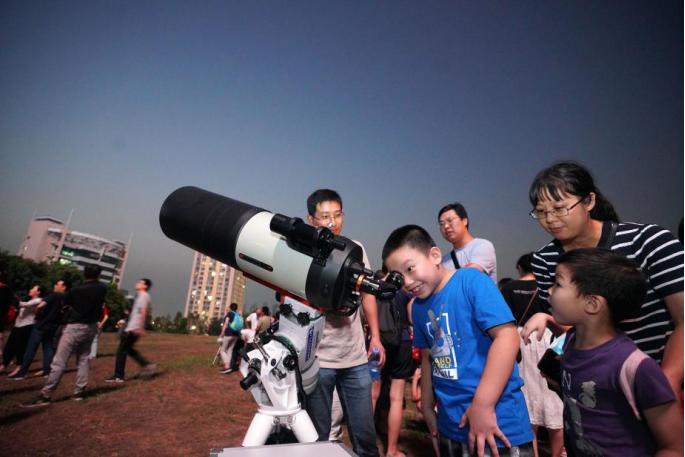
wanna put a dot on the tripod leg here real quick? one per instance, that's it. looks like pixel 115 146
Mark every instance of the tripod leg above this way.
pixel 259 430
pixel 302 427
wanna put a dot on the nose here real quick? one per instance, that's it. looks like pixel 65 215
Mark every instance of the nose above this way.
pixel 549 215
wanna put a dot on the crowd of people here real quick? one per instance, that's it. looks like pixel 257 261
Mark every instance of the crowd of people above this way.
pixel 611 291
pixel 66 323
pixel 586 343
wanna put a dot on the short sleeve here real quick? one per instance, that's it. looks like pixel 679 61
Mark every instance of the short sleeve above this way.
pixel 483 254
pixel 418 317
pixel 651 386
pixel 661 259
pixel 488 305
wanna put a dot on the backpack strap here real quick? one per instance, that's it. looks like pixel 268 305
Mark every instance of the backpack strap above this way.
pixel 454 260
pixel 626 378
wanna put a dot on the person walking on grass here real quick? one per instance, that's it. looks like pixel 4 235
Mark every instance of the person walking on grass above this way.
pixel 84 303
pixel 135 328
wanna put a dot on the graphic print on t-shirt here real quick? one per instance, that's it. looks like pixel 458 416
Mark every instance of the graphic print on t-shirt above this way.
pixel 443 356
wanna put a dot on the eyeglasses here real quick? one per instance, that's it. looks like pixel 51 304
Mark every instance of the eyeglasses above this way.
pixel 446 222
pixel 328 218
pixel 556 212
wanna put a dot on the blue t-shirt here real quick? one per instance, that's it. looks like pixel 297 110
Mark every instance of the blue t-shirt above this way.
pixel 464 310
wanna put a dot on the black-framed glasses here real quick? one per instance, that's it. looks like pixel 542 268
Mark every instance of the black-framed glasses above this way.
pixel 556 212
pixel 328 218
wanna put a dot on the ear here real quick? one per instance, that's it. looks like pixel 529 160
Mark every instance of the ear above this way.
pixel 594 304
pixel 435 255
pixel 310 219
pixel 591 201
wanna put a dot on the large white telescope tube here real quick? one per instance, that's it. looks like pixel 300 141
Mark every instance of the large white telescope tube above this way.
pixel 285 253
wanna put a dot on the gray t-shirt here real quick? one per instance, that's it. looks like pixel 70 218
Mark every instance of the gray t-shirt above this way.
pixel 478 251
pixel 140 306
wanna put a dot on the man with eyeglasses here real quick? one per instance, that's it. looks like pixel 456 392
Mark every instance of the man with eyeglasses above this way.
pixel 468 251
pixel 342 354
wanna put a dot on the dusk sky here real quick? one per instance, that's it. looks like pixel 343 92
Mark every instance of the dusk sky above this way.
pixel 109 106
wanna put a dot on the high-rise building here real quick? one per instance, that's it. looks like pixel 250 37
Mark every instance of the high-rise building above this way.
pixel 50 240
pixel 213 287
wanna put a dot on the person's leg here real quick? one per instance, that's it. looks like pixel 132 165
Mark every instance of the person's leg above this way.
pixel 225 354
pixel 10 347
pixel 48 342
pixel 23 343
pixel 94 345
pixel 395 415
pixel 354 389
pixel 535 429
pixel 86 333
pixel 135 355
pixel 67 343
pixel 122 352
pixel 556 441
pixel 375 392
pixel 235 353
pixel 31 348
pixel 337 418
pixel 319 402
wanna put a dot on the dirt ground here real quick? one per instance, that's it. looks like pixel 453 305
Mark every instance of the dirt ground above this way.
pixel 184 411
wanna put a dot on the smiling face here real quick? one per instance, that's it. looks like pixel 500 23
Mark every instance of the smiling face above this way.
pixel 574 224
pixel 421 270
pixel 567 303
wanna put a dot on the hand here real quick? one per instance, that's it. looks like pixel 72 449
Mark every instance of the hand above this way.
pixel 483 428
pixel 537 323
pixel 376 343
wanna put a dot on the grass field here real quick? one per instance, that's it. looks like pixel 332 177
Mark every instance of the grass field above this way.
pixel 184 411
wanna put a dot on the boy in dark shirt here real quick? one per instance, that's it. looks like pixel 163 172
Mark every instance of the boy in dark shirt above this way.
pixel 617 401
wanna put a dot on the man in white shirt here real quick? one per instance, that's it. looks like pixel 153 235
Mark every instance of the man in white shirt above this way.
pixel 135 328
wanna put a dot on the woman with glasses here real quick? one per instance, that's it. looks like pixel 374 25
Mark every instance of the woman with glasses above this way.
pixel 568 206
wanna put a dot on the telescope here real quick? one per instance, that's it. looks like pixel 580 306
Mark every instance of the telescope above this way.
pixel 321 272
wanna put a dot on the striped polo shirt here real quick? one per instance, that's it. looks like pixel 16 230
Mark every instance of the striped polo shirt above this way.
pixel 658 254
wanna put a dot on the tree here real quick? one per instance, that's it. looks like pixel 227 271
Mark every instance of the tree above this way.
pixel 214 328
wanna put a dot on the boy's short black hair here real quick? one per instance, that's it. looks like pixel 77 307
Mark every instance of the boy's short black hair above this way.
pixel 408 235
pixel 596 271
pixel 147 282
pixel 458 208
pixel 92 271
pixel 525 263
pixel 234 307
pixel 322 195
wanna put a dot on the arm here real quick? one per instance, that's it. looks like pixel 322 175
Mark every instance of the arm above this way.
pixel 498 368
pixel 666 424
pixel 30 303
pixel 223 327
pixel 105 316
pixel 371 313
pixel 538 322
pixel 427 399
pixel 672 363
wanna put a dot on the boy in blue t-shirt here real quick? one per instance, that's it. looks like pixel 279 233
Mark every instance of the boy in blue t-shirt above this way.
pixel 468 344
